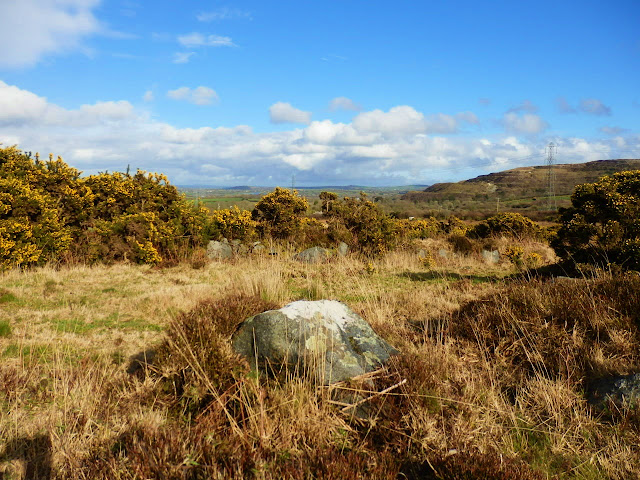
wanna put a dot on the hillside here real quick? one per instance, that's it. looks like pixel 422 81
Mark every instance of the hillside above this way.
pixel 519 189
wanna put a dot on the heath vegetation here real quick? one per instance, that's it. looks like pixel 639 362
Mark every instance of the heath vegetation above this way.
pixel 115 336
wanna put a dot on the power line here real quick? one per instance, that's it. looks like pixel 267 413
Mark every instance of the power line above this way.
pixel 551 177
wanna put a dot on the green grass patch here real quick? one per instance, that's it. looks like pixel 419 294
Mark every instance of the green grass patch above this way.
pixel 30 352
pixel 72 325
pixel 7 297
pixel 111 321
pixel 5 328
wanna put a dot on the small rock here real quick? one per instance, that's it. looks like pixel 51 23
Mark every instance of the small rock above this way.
pixel 343 249
pixel 491 256
pixel 219 250
pixel 241 249
pixel 443 253
pixel 258 248
pixel 313 255
pixel 622 390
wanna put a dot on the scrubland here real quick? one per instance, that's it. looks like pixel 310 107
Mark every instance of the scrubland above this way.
pixel 496 361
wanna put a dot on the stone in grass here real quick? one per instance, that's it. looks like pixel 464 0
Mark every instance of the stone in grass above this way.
pixel 343 249
pixel 324 339
pixel 491 256
pixel 622 390
pixel 314 255
pixel 219 250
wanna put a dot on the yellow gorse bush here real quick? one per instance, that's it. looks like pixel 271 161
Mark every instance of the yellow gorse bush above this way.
pixel 104 217
pixel 419 228
pixel 233 223
pixel 30 229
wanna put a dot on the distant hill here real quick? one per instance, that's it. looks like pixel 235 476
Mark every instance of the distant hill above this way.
pixel 525 182
pixel 520 189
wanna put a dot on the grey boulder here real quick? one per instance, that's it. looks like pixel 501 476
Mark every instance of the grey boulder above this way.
pixel 314 255
pixel 219 250
pixel 323 339
pixel 622 390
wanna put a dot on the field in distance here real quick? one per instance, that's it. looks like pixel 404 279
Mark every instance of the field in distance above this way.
pixel 522 190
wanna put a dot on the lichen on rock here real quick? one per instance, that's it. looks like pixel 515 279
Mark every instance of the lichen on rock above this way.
pixel 323 339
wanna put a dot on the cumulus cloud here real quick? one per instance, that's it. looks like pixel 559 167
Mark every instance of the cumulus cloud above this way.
pixel 223 13
pixel 182 57
pixel 148 96
pixel 282 112
pixel 21 107
pixel 528 123
pixel 594 107
pixel 197 96
pixel 405 120
pixel 195 39
pixel 110 135
pixel 344 103
pixel 525 106
pixel 32 29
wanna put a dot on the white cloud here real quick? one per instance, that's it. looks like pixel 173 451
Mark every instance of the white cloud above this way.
pixel 21 107
pixel 32 29
pixel 328 133
pixel 594 107
pixel 148 96
pixel 343 103
pixel 527 123
pixel 195 39
pixel 197 96
pixel 282 112
pixel 182 57
pixel 223 13
pixel 112 134
pixel 405 120
pixel 398 120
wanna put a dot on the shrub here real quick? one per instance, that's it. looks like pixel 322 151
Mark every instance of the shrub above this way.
pixel 30 230
pixel 507 224
pixel 566 330
pixel 462 244
pixel 198 352
pixel 328 199
pixel 58 180
pixel 371 230
pixel 107 216
pixel 233 223
pixel 419 228
pixel 603 224
pixel 279 212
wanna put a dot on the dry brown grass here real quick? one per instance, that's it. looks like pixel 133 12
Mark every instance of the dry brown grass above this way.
pixel 494 372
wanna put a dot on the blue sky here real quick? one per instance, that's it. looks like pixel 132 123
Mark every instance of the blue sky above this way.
pixel 333 92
